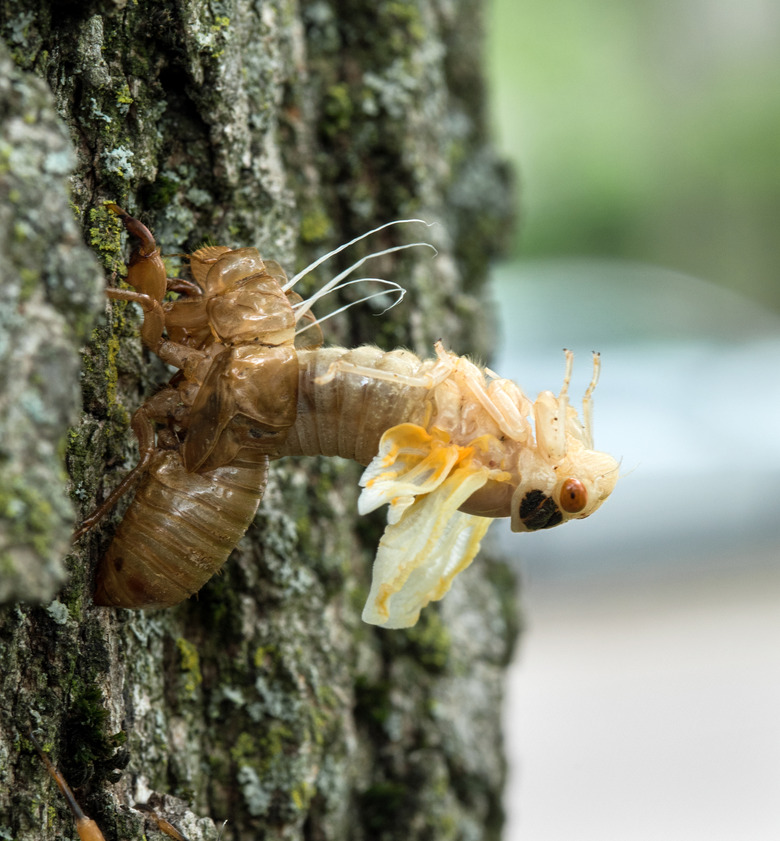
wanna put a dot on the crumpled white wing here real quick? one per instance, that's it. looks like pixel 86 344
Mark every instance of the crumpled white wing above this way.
pixel 429 541
pixel 410 462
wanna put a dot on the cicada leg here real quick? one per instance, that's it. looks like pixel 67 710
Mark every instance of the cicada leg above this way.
pixel 87 829
pixel 165 826
pixel 444 365
pixel 154 316
pixel 184 287
pixel 145 269
pixel 159 408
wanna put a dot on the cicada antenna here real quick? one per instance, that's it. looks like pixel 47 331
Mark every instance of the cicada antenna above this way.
pixel 587 401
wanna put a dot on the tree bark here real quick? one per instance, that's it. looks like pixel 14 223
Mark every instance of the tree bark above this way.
pixel 290 126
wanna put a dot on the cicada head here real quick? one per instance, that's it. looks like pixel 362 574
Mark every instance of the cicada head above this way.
pixel 245 301
pixel 550 493
pixel 562 477
pixel 551 473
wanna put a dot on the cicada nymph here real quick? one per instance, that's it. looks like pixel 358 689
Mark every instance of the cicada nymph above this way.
pixel 447 445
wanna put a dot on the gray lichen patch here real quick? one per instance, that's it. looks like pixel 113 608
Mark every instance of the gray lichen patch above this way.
pixel 48 300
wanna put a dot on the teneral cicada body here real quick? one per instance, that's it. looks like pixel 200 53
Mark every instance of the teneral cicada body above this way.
pixel 447 445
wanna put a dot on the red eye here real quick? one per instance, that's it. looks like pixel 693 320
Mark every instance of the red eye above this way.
pixel 574 497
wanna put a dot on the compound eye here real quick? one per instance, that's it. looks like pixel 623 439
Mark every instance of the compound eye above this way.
pixel 574 497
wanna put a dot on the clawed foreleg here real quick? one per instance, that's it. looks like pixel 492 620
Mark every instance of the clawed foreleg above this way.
pixel 154 315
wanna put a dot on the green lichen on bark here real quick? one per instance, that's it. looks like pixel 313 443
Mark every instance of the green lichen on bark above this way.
pixel 265 701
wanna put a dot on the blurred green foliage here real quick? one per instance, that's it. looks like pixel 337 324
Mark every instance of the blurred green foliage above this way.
pixel 646 130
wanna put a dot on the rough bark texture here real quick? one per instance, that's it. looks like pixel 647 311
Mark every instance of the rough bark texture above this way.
pixel 265 701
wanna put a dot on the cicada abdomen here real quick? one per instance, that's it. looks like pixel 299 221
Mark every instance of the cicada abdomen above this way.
pixel 178 531
pixel 347 415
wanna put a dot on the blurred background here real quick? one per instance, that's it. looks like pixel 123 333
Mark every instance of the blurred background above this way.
pixel 644 700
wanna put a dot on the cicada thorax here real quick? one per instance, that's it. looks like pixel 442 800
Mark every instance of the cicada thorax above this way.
pixel 248 398
pixel 248 401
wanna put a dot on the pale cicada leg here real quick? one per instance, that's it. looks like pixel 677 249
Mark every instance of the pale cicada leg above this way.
pixel 437 373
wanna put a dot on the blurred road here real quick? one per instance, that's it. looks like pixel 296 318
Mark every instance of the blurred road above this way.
pixel 648 714
pixel 644 702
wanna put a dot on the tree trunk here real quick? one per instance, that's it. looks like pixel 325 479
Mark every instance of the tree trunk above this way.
pixel 264 701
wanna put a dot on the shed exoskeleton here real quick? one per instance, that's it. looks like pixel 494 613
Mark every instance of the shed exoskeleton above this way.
pixel 448 445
